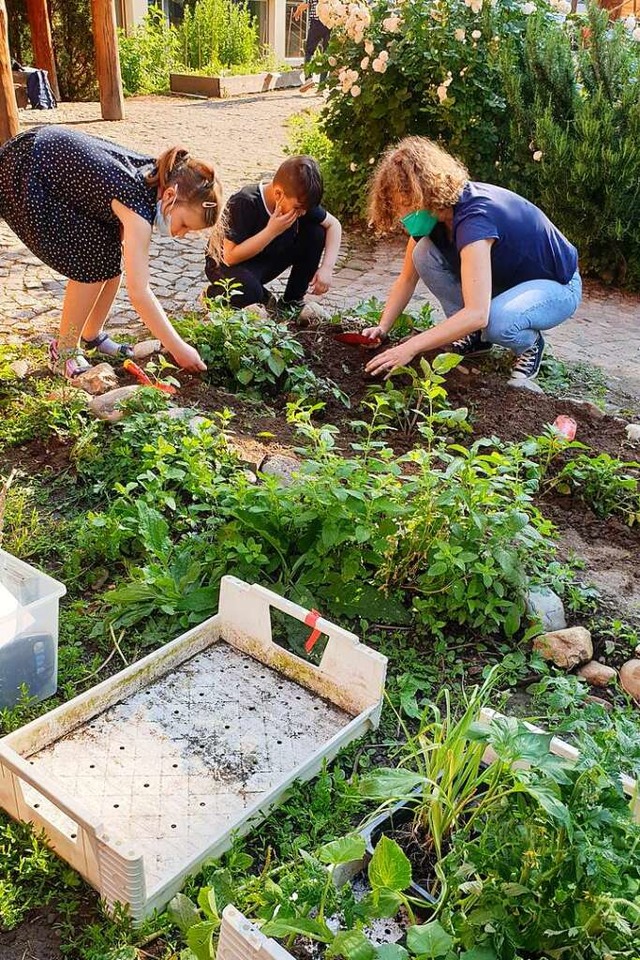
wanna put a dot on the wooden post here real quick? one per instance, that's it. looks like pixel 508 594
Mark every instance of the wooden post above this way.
pixel 9 123
pixel 107 59
pixel 41 42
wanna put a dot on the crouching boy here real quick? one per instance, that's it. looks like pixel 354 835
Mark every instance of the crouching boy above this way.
pixel 273 226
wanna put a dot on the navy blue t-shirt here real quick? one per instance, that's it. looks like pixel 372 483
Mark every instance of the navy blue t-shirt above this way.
pixel 527 245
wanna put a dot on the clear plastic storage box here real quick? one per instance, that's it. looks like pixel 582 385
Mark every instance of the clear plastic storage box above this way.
pixel 28 630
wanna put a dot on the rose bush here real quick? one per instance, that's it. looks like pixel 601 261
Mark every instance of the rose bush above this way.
pixel 527 94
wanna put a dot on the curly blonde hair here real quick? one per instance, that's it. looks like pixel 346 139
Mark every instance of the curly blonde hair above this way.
pixel 418 173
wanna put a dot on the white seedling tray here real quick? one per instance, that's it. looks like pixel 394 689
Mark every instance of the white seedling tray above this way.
pixel 144 777
pixel 242 940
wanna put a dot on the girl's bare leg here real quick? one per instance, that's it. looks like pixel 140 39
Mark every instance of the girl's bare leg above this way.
pixel 100 310
pixel 79 301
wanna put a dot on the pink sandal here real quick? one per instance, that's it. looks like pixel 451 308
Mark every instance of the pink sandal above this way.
pixel 70 365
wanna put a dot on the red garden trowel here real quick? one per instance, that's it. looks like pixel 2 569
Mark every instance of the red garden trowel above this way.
pixel 358 340
pixel 138 374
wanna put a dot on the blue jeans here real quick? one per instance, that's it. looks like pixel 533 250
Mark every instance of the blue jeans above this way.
pixel 515 316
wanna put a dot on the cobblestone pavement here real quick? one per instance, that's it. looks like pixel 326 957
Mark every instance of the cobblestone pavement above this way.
pixel 246 138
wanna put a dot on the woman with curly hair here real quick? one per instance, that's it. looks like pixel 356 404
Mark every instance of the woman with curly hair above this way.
pixel 501 270
pixel 82 205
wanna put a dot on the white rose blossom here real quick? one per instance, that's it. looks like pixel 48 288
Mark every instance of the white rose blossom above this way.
pixel 383 55
pixel 372 160
pixel 355 90
pixel 528 8
pixel 537 156
pixel 333 62
pixel 392 23
pixel 364 63
pixel 368 47
pixel 353 167
pixel 442 92
pixel 380 66
pixel 474 5
pixel 460 34
pixel 636 34
pixel 476 34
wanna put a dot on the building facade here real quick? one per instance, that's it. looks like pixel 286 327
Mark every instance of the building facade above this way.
pixel 278 29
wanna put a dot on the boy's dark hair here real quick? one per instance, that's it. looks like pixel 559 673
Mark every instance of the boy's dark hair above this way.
pixel 300 177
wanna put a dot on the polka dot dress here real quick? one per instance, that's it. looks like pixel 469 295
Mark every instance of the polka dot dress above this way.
pixel 56 188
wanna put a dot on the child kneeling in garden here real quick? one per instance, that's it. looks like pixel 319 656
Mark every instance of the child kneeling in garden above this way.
pixel 270 227
pixel 501 270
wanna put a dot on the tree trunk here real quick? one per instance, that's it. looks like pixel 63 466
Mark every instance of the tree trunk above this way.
pixel 41 42
pixel 614 7
pixel 9 123
pixel 107 59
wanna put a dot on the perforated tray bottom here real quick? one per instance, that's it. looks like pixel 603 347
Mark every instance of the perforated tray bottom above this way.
pixel 172 767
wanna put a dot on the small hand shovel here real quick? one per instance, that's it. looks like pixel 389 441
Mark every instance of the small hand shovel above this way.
pixel 138 374
pixel 358 340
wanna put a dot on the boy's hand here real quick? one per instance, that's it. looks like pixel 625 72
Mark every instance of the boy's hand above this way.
pixel 321 281
pixel 279 222
pixel 299 10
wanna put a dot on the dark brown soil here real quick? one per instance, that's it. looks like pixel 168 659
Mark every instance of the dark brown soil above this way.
pixel 35 939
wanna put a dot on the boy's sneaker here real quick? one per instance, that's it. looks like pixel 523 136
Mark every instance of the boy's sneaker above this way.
pixel 68 365
pixel 472 345
pixel 527 365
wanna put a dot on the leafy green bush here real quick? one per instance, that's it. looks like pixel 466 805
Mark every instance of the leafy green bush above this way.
pixel 573 96
pixel 448 537
pixel 607 484
pixel 527 97
pixel 148 54
pixel 218 33
pixel 256 355
pixel 552 871
pixel 215 36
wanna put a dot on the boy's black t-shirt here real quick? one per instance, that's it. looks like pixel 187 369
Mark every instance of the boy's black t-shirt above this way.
pixel 246 215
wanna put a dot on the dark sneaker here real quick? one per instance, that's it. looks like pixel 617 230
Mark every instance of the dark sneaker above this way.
pixel 527 365
pixel 472 345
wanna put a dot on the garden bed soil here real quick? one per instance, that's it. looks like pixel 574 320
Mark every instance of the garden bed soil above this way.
pixel 610 549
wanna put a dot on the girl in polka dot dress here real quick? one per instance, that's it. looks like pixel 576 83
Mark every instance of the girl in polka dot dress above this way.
pixel 80 203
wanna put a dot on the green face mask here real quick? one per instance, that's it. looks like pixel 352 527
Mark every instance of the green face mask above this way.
pixel 420 223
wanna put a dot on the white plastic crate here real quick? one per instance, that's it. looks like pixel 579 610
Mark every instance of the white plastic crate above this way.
pixel 141 779
pixel 242 940
pixel 28 630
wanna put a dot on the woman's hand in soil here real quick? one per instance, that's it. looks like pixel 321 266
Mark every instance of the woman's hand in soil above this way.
pixel 187 358
pixel 390 360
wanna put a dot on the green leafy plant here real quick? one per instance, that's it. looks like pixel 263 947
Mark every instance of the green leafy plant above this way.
pixel 148 53
pixel 608 485
pixel 419 404
pixel 219 32
pixel 541 880
pixel 255 354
